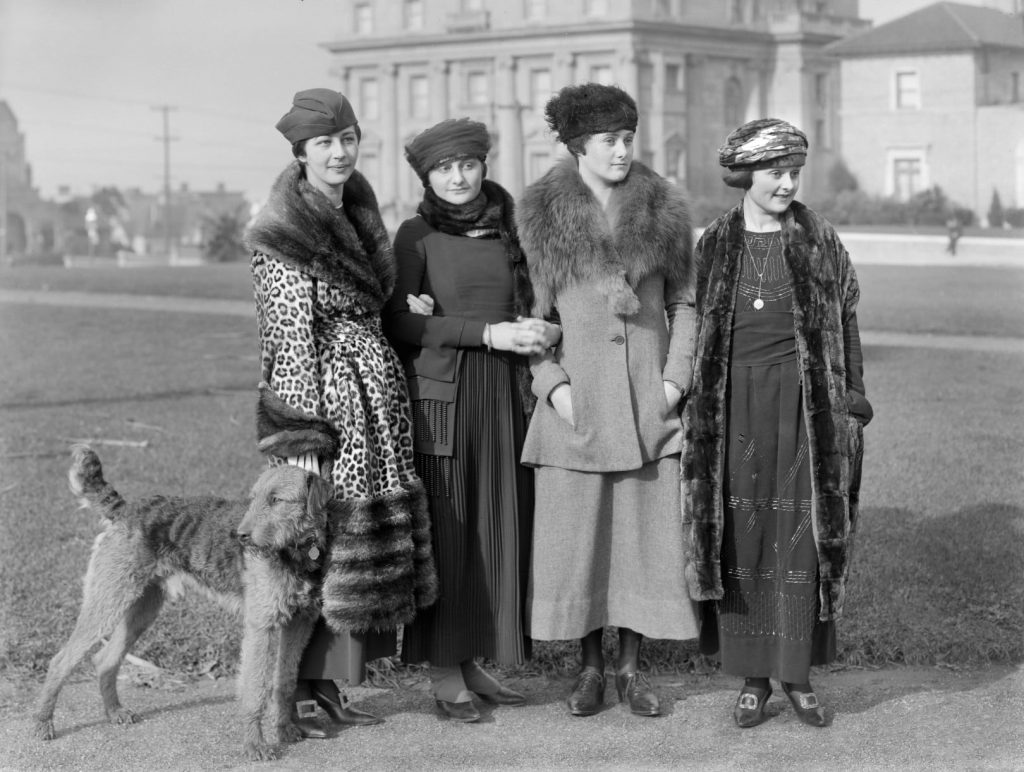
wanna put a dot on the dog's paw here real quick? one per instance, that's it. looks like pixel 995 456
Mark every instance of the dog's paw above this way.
pixel 122 717
pixel 43 730
pixel 260 752
pixel 288 733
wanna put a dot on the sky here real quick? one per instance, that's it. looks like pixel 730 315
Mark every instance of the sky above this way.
pixel 87 79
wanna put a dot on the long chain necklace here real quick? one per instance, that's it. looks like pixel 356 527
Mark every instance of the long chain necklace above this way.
pixel 758 302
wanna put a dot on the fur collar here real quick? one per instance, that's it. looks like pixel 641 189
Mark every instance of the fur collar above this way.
pixel 347 248
pixel 569 238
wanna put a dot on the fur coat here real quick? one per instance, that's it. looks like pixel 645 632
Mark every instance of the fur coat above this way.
pixel 619 280
pixel 329 382
pixel 825 295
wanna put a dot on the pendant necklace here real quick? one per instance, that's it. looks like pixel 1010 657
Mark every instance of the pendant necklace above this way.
pixel 758 303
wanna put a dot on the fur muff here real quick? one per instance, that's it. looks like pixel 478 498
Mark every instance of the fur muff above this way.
pixel 300 226
pixel 286 431
pixel 569 238
pixel 381 566
pixel 825 295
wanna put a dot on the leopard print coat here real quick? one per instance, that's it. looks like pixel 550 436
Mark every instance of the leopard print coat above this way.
pixel 332 385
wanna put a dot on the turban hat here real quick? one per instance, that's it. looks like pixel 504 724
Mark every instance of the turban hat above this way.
pixel 447 141
pixel 316 112
pixel 590 108
pixel 763 144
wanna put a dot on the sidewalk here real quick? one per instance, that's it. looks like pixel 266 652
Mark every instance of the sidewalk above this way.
pixel 900 718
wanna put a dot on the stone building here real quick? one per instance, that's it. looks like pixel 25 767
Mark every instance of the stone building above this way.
pixel 697 69
pixel 935 98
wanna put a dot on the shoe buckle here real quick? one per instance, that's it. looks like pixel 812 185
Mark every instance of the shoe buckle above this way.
pixel 808 701
pixel 305 708
pixel 748 701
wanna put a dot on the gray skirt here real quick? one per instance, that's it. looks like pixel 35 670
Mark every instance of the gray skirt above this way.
pixel 608 550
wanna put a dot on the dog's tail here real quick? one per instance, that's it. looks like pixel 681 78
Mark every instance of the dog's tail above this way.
pixel 85 478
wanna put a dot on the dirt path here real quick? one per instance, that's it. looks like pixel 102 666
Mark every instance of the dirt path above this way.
pixel 901 718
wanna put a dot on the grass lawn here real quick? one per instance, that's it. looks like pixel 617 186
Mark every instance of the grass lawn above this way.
pixel 938 572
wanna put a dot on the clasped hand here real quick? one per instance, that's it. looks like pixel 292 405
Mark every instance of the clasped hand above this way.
pixel 526 335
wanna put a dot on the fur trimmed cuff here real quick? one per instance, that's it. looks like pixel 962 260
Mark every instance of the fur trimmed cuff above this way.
pixel 283 430
pixel 381 565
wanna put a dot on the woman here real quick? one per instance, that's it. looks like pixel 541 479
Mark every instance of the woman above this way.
pixel 609 246
pixel 777 392
pixel 333 397
pixel 459 257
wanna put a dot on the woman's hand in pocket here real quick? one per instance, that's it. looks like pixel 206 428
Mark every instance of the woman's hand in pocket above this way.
pixel 672 394
pixel 561 401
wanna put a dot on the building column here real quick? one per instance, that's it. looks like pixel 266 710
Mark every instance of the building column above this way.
pixel 390 140
pixel 655 119
pixel 441 92
pixel 510 130
pixel 564 71
pixel 629 73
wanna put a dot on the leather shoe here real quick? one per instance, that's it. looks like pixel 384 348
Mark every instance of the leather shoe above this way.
pixel 806 705
pixel 749 710
pixel 465 712
pixel 303 718
pixel 588 694
pixel 635 689
pixel 504 696
pixel 342 713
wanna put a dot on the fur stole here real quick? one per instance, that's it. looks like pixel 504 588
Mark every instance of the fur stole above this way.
pixel 568 238
pixel 287 431
pixel 348 248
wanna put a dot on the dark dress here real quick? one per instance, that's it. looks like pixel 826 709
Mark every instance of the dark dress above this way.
pixel 768 617
pixel 468 438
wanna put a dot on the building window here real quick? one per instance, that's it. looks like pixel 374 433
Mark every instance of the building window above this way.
pixel 476 88
pixel 906 177
pixel 733 102
pixel 419 96
pixel 540 89
pixel 364 19
pixel 820 135
pixel 1014 86
pixel 537 162
pixel 413 12
pixel 673 77
pixel 908 91
pixel 369 99
pixel 536 10
pixel 821 89
pixel 595 7
pixel 736 11
pixel 663 8
pixel 601 73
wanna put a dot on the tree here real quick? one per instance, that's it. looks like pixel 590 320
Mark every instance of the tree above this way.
pixel 223 237
pixel 995 211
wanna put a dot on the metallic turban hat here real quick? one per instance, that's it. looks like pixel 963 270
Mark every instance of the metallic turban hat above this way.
pixel 590 108
pixel 449 140
pixel 316 112
pixel 763 144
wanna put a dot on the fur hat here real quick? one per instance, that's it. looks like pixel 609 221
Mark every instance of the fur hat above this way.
pixel 316 112
pixel 589 108
pixel 447 141
pixel 763 144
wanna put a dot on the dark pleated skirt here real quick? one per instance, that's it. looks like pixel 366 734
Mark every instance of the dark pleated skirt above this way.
pixel 481 505
pixel 768 618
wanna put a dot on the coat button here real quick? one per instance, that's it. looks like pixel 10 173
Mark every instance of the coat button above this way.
pixel 618 340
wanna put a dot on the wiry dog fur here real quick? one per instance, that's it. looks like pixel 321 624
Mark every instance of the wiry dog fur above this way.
pixel 262 560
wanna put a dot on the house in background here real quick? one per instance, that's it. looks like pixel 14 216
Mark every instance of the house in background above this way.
pixel 936 98
pixel 696 69
pixel 28 224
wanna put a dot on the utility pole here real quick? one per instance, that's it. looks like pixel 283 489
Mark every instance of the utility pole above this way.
pixel 167 139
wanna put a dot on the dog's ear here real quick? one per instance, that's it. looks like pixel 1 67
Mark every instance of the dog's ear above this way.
pixel 318 493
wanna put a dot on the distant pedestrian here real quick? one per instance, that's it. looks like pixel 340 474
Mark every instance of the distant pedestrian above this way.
pixel 609 243
pixel 771 469
pixel 454 319
pixel 333 398
pixel 954 231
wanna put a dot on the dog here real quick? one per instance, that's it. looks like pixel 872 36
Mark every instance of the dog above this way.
pixel 262 560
